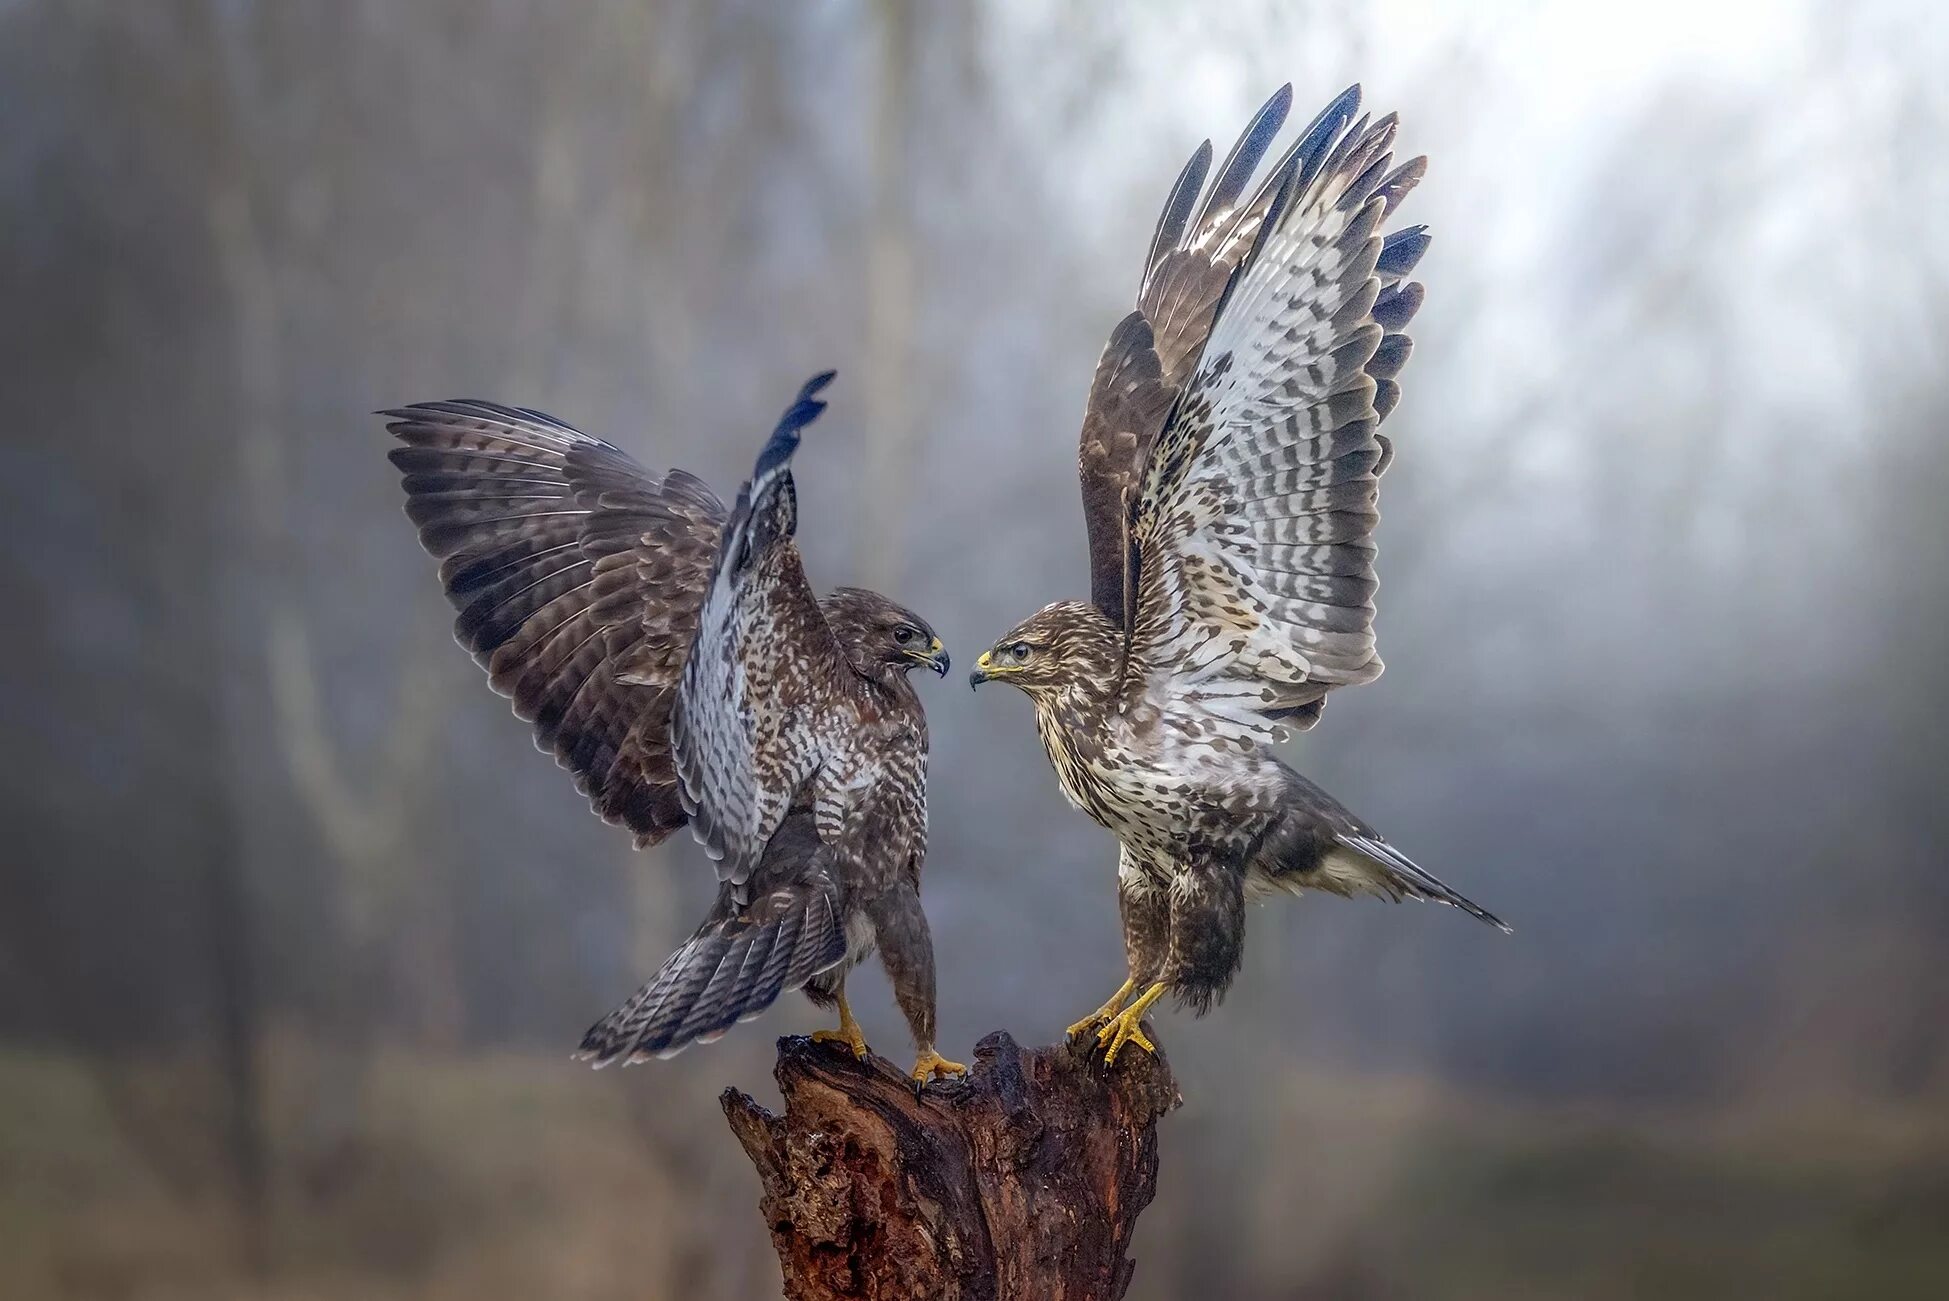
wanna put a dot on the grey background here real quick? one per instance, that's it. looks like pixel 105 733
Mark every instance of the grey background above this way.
pixel 296 929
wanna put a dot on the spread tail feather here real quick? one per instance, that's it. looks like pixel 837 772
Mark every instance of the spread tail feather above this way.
pixel 734 967
pixel 1394 874
pixel 1320 845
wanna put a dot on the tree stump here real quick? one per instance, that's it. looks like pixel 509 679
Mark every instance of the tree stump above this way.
pixel 1021 1182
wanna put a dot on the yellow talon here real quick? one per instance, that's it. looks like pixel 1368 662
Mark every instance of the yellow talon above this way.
pixel 1127 1032
pixel 1095 1020
pixel 848 1032
pixel 931 1064
pixel 1126 1027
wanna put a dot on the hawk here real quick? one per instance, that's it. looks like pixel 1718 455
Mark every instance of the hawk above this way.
pixel 671 654
pixel 1229 457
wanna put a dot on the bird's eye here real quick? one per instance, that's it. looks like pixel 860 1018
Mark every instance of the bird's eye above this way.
pixel 1019 652
pixel 903 635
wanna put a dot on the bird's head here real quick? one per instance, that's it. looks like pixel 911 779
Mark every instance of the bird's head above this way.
pixel 884 640
pixel 1062 646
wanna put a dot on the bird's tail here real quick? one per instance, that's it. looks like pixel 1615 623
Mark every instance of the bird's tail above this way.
pixel 1319 845
pixel 736 965
pixel 1397 876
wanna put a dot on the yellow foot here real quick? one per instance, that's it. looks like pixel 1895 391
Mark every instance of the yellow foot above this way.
pixel 1090 1024
pixel 1127 1027
pixel 931 1065
pixel 849 1035
pixel 1098 1019
pixel 1123 1029
pixel 848 1032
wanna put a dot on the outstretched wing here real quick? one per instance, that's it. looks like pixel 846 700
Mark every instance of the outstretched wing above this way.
pixel 1192 259
pixel 578 576
pixel 1251 534
pixel 753 712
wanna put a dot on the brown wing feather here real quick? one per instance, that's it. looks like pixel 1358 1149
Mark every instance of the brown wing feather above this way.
pixel 1128 403
pixel 1188 270
pixel 1253 529
pixel 1183 285
pixel 578 576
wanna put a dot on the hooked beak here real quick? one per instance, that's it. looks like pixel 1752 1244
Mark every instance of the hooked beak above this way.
pixel 980 674
pixel 934 657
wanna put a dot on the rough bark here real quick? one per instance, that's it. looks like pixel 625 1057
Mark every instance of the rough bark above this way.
pixel 1021 1182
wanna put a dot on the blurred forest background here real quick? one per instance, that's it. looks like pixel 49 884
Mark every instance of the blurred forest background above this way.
pixel 296 928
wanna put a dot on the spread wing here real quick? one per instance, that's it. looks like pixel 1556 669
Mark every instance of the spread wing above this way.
pixel 578 576
pixel 1193 256
pixel 1252 551
pixel 754 712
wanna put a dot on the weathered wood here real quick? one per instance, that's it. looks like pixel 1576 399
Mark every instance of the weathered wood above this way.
pixel 1021 1182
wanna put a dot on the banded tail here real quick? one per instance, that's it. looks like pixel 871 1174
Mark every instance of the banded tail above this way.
pixel 736 965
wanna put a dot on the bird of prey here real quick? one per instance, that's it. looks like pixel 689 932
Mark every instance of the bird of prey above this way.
pixel 671 654
pixel 1230 456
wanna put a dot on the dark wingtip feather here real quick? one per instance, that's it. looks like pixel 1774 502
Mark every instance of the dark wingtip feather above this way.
pixel 1402 250
pixel 1244 159
pixel 784 438
pixel 1395 307
pixel 1387 395
pixel 1390 357
pixel 1402 179
pixel 1177 208
pixel 1321 134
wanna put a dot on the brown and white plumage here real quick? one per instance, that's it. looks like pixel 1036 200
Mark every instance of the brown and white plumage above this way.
pixel 577 577
pixel 671 654
pixel 1230 460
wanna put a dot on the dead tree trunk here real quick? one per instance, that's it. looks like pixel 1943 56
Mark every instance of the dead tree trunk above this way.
pixel 1022 1182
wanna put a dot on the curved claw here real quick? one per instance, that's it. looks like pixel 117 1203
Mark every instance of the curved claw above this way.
pixel 1127 1026
pixel 1124 1029
pixel 931 1065
pixel 1103 1015
pixel 1089 1025
pixel 848 1032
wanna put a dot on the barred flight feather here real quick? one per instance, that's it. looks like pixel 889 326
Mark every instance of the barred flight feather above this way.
pixel 496 494
pixel 1271 462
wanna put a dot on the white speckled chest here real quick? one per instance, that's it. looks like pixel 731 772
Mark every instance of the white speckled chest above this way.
pixel 1155 787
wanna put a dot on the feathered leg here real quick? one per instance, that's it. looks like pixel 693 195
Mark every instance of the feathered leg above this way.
pixel 907 952
pixel 1207 940
pixel 1207 930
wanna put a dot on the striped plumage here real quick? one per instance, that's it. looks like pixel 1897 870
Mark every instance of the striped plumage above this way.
pixel 671 655
pixel 1230 461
